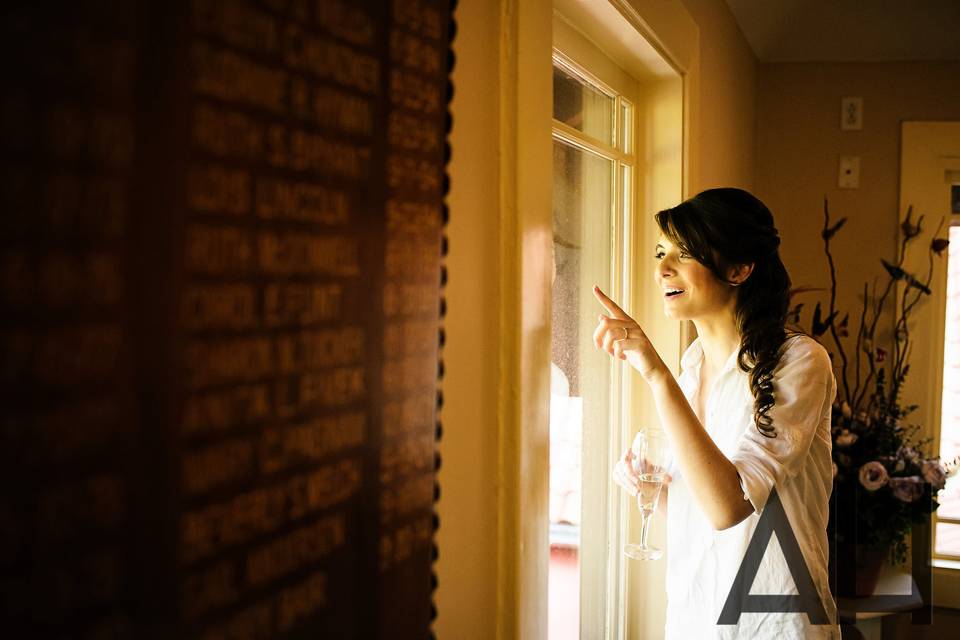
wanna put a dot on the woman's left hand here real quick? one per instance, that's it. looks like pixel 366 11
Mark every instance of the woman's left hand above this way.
pixel 619 335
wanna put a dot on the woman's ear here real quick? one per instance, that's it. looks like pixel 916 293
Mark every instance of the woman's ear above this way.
pixel 739 273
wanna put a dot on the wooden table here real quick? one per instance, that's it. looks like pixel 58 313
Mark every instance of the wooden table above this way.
pixel 874 618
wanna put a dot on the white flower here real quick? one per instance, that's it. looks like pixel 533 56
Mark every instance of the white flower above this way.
pixel 873 475
pixel 907 489
pixel 934 473
pixel 909 454
pixel 846 438
pixel 846 410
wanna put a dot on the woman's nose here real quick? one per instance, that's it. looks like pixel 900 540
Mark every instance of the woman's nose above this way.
pixel 664 268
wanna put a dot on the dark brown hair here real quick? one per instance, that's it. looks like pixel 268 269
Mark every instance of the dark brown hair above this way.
pixel 723 227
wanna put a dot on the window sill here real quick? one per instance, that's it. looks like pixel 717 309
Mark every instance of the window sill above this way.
pixel 946 582
pixel 944 563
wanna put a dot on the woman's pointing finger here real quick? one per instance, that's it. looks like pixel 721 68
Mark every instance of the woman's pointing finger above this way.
pixel 609 304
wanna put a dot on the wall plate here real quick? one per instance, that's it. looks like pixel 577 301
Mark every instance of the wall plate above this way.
pixel 849 172
pixel 851 113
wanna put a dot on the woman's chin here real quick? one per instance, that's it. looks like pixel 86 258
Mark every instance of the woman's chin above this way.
pixel 674 314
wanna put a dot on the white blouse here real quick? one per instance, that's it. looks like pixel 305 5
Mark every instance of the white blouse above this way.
pixel 702 562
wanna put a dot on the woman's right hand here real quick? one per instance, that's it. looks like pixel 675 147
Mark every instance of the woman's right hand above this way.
pixel 625 475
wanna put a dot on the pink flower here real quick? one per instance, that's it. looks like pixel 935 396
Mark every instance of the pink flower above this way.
pixel 846 410
pixel 907 489
pixel 934 473
pixel 873 475
pixel 846 438
pixel 909 454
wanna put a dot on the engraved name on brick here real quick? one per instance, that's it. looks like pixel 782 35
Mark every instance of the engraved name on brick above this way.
pixel 301 304
pixel 288 253
pixel 221 410
pixel 346 22
pixel 299 548
pixel 218 250
pixel 310 350
pixel 297 444
pixel 217 465
pixel 402 299
pixel 209 530
pixel 225 306
pixel 215 189
pixel 280 199
pixel 409 414
pixel 316 390
pixel 227 134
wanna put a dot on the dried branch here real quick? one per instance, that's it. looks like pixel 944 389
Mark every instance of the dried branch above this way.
pixel 856 366
pixel 906 308
pixel 827 234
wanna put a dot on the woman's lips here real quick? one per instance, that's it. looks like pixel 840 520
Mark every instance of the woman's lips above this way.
pixel 669 296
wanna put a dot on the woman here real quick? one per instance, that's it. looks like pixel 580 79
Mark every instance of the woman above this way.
pixel 750 413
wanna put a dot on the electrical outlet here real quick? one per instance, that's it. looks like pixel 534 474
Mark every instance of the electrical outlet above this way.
pixel 851 113
pixel 849 172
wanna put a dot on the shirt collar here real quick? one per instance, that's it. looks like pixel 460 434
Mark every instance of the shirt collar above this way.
pixel 692 357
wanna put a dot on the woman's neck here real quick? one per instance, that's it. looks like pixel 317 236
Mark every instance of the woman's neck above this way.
pixel 718 338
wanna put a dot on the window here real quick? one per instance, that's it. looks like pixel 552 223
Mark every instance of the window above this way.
pixel 947 530
pixel 593 167
pixel 619 152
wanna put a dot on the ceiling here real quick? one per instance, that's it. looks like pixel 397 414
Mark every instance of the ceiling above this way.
pixel 850 30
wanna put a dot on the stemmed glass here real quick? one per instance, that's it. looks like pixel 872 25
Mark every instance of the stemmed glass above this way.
pixel 651 457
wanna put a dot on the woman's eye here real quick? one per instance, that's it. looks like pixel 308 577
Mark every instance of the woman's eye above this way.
pixel 658 255
pixel 684 255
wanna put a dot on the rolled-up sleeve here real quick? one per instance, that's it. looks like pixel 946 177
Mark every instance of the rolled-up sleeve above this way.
pixel 803 390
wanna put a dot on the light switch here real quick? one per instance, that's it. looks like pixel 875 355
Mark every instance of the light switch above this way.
pixel 849 172
pixel 851 113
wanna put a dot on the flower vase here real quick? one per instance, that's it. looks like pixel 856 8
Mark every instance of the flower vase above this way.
pixel 858 569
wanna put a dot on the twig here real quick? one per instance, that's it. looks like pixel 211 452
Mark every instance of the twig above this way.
pixel 905 309
pixel 833 299
pixel 856 367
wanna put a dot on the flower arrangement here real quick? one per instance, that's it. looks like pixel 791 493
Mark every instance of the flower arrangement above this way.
pixel 883 482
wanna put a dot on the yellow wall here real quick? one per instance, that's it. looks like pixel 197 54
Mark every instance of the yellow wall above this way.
pixel 799 142
pixel 466 567
pixel 770 128
pixel 492 553
pixel 724 134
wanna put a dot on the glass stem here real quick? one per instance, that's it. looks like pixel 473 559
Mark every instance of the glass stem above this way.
pixel 644 528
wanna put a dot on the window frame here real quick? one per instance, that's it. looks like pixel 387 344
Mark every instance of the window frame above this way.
pixel 943 560
pixel 602 573
pixel 660 48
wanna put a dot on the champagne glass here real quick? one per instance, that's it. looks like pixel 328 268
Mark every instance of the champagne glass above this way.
pixel 651 457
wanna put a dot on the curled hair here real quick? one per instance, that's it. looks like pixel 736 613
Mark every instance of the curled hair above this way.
pixel 721 228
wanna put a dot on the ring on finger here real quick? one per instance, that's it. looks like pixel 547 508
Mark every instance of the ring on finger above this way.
pixel 626 334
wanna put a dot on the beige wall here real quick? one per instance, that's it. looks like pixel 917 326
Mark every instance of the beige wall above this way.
pixel 728 79
pixel 770 128
pixel 798 144
pixel 467 539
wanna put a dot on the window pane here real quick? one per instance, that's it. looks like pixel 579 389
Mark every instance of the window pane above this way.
pixel 582 106
pixel 950 408
pixel 949 500
pixel 626 127
pixel 948 539
pixel 583 198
